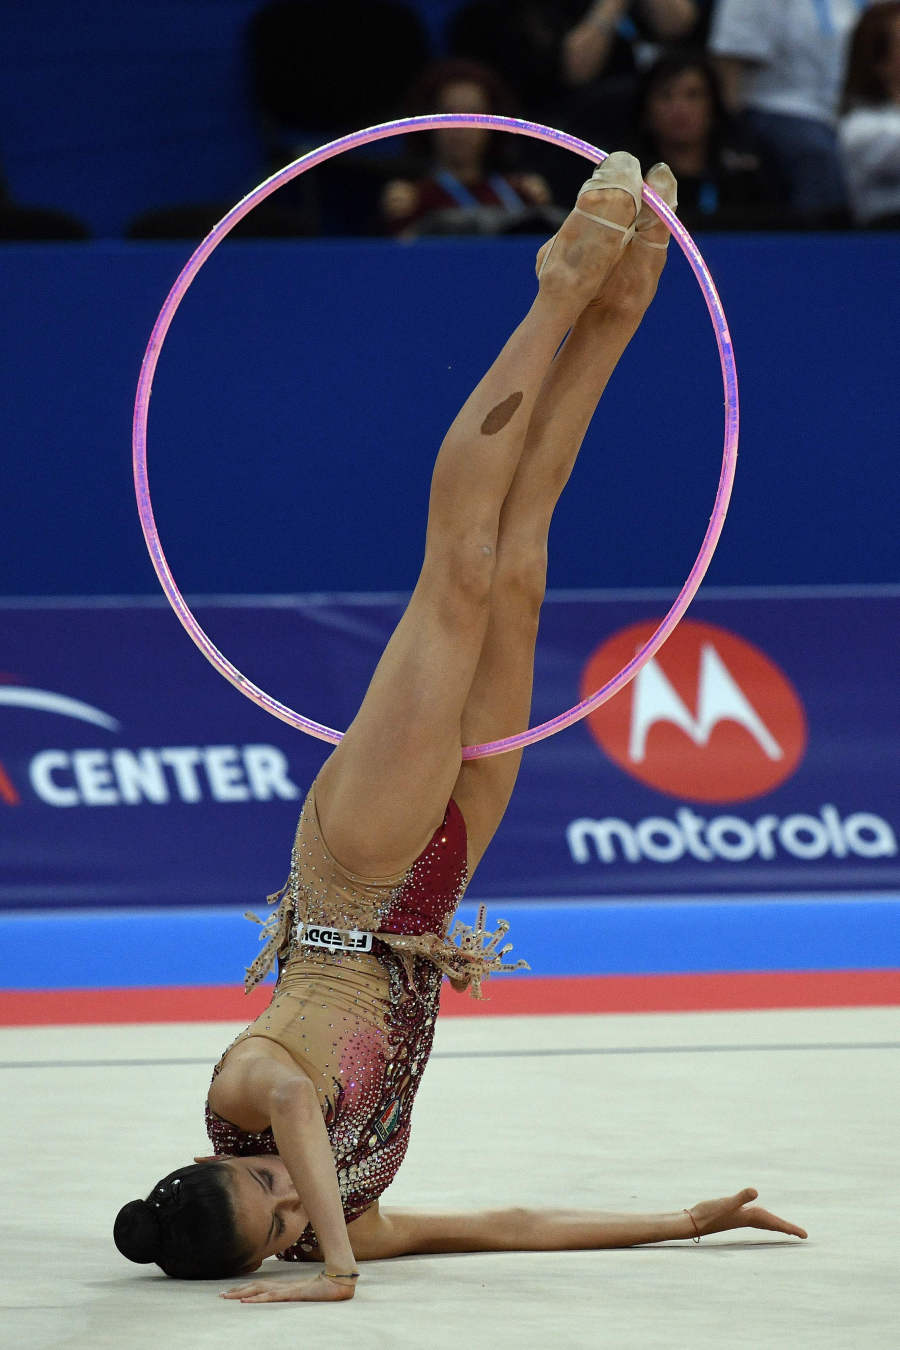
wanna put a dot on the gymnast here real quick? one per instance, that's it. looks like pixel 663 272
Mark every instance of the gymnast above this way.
pixel 309 1109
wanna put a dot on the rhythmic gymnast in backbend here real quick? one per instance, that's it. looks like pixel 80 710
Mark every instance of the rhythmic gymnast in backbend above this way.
pixel 309 1109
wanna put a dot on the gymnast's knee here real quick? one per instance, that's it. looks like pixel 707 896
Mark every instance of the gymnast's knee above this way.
pixel 463 570
pixel 520 580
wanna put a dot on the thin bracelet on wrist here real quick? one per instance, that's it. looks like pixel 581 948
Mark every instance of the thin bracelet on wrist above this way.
pixel 694 1222
pixel 354 1275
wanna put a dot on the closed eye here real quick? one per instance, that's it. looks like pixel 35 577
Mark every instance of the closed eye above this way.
pixel 270 1182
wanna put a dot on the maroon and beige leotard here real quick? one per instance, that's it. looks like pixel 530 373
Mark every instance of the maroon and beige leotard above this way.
pixel 361 1023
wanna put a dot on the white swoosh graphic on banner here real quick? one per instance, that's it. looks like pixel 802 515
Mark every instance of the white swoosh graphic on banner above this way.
pixel 14 696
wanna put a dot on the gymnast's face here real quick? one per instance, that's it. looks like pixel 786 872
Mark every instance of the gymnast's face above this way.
pixel 267 1209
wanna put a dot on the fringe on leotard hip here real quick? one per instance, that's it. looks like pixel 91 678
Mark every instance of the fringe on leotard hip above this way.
pixel 467 955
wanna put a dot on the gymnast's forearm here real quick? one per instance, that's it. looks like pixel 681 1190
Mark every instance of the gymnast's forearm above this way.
pixel 554 1230
pixel 302 1142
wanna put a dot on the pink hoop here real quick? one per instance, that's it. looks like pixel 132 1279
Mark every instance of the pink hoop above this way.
pixel 211 242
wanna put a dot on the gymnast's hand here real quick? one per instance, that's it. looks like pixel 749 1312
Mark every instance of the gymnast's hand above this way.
pixel 737 1211
pixel 319 1289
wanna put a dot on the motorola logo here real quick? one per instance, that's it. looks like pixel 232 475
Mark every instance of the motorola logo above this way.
pixel 710 718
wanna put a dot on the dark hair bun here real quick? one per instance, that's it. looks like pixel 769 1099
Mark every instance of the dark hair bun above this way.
pixel 137 1232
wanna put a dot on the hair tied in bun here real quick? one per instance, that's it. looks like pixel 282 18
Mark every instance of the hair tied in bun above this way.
pixel 187 1226
pixel 137 1231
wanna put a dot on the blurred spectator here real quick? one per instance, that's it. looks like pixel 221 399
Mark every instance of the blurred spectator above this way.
pixel 782 64
pixel 463 188
pixel 682 120
pixel 544 47
pixel 870 127
pixel 332 68
pixel 572 64
pixel 320 71
pixel 589 46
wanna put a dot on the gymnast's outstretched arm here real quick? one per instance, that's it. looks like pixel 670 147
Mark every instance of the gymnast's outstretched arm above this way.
pixel 540 1230
pixel 379 1235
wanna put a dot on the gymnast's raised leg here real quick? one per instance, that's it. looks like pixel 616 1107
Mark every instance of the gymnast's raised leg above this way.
pixel 384 790
pixel 499 700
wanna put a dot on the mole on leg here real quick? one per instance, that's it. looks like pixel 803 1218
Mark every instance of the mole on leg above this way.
pixel 498 417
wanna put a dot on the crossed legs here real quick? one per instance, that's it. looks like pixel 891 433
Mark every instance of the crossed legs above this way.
pixel 458 667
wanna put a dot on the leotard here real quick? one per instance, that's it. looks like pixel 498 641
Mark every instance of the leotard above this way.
pixel 361 1023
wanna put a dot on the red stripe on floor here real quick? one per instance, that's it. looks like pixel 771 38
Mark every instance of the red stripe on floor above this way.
pixel 728 990
pixel 720 991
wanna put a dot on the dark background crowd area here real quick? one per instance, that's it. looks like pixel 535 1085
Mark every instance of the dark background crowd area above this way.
pixel 148 121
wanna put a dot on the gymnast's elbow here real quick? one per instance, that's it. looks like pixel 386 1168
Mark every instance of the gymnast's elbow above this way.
pixel 294 1098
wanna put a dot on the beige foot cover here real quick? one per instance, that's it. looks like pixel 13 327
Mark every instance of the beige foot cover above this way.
pixel 662 180
pixel 619 170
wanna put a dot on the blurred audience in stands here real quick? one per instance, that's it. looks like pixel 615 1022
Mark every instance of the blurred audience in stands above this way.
pixel 681 118
pixel 466 184
pixel 321 70
pixel 870 125
pixel 782 64
pixel 613 32
pixel 741 97
pixel 573 64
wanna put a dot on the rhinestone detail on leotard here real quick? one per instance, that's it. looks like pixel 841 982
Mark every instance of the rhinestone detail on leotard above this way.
pixel 369 1130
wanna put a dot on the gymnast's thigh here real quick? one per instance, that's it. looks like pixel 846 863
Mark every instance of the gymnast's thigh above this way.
pixel 384 790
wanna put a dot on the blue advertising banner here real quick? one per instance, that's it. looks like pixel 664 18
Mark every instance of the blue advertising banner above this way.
pixel 756 754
